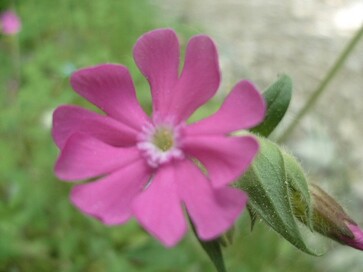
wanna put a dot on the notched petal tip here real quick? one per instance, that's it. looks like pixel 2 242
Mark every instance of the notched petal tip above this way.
pixel 243 108
pixel 157 55
pixel 199 79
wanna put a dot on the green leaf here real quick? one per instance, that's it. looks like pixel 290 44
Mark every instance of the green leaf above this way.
pixel 267 183
pixel 277 97
pixel 213 250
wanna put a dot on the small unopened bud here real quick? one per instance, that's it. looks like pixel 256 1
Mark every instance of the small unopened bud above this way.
pixel 357 241
pixel 328 218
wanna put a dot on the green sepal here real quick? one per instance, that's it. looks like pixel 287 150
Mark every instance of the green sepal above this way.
pixel 269 183
pixel 213 250
pixel 277 97
pixel 299 190
pixel 253 216
pixel 228 237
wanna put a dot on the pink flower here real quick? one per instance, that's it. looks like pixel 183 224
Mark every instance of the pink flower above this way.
pixel 147 164
pixel 356 240
pixel 10 23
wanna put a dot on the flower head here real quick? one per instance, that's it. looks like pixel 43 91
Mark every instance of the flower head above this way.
pixel 146 164
pixel 10 23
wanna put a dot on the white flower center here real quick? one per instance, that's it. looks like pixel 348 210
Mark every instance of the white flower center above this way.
pixel 160 143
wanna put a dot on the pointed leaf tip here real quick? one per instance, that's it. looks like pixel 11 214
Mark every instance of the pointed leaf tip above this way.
pixel 277 97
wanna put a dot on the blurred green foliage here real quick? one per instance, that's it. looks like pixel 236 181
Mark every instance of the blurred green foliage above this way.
pixel 39 229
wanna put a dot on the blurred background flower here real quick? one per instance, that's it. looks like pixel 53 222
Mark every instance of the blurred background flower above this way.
pixel 10 22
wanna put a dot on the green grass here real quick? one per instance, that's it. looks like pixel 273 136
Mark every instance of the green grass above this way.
pixel 39 229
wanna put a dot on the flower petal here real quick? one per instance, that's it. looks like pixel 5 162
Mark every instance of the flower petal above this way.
pixel 199 80
pixel 226 158
pixel 69 119
pixel 109 199
pixel 213 211
pixel 84 157
pixel 159 208
pixel 157 54
pixel 110 87
pixel 243 108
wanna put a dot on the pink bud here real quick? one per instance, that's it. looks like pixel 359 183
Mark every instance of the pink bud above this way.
pixel 357 240
pixel 328 218
pixel 10 23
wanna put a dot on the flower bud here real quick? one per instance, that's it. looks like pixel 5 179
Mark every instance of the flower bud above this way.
pixel 357 241
pixel 328 218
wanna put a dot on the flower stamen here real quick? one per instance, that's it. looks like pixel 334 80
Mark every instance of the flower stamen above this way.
pixel 160 143
pixel 163 138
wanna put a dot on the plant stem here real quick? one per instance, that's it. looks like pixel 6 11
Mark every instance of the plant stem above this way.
pixel 322 87
pixel 16 57
pixel 13 83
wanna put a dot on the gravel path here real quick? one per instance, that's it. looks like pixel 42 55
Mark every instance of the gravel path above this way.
pixel 263 38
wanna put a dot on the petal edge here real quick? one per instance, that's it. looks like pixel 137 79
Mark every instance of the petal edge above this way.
pixel 243 108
